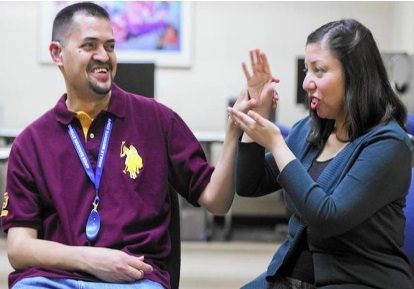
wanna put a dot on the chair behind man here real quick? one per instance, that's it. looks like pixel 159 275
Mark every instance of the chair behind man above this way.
pixel 173 261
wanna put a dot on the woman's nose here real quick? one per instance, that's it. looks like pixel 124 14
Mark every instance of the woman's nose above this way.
pixel 308 83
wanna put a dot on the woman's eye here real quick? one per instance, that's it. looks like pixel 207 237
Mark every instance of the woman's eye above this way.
pixel 318 71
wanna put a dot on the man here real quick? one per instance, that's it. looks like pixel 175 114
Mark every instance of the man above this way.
pixel 87 185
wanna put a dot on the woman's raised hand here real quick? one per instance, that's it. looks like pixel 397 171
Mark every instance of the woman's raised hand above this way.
pixel 261 84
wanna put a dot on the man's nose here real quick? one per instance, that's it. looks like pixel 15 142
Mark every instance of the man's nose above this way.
pixel 101 54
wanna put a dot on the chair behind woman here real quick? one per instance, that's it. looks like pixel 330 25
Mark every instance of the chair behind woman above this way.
pixel 409 225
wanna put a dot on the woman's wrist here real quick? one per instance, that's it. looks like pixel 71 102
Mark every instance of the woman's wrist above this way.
pixel 281 152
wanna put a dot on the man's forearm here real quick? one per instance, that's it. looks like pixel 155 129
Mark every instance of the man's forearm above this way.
pixel 25 250
pixel 219 193
pixel 110 265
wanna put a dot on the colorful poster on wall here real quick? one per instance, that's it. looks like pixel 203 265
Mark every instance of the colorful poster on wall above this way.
pixel 145 31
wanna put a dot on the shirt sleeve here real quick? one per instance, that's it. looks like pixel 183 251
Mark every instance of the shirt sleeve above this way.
pixel 190 172
pixel 256 171
pixel 378 177
pixel 22 207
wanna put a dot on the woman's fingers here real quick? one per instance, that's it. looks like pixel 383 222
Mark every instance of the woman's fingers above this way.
pixel 265 63
pixel 246 71
pixel 253 59
pixel 242 120
pixel 256 117
pixel 273 87
pixel 235 116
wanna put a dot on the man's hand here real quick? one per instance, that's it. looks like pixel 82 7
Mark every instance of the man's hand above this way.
pixel 115 266
pixel 244 103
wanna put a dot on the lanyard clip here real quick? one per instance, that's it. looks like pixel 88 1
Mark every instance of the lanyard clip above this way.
pixel 95 202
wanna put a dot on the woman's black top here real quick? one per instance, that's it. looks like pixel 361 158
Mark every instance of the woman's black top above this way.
pixel 301 264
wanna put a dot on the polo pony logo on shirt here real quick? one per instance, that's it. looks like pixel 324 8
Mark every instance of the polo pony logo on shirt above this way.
pixel 4 211
pixel 133 161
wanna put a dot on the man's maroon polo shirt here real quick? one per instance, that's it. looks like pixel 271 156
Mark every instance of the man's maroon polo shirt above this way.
pixel 150 145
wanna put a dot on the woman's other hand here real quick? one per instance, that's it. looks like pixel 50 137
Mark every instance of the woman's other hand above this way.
pixel 259 129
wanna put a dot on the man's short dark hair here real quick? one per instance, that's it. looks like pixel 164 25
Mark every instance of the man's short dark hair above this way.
pixel 64 18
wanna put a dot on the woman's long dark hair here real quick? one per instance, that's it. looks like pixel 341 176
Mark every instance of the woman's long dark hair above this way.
pixel 369 98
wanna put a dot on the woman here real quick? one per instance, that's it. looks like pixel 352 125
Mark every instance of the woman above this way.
pixel 344 170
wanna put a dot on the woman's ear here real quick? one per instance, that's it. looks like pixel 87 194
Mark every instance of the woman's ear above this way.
pixel 55 50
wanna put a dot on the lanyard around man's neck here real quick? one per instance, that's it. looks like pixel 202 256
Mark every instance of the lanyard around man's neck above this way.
pixel 94 222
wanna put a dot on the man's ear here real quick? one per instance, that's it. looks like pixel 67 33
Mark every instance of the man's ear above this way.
pixel 55 50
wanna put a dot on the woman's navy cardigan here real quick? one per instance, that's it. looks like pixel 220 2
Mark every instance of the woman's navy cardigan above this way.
pixel 353 213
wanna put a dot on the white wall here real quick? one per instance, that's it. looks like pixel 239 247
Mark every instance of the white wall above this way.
pixel 403 36
pixel 223 32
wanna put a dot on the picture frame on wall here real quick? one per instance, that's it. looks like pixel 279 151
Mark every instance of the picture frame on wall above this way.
pixel 145 31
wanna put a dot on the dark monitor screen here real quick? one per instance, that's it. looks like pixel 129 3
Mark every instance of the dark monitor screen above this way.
pixel 300 68
pixel 138 78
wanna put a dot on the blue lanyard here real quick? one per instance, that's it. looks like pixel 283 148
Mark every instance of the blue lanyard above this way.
pixel 93 223
pixel 95 178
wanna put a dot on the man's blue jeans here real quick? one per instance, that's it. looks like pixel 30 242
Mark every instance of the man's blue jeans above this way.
pixel 43 283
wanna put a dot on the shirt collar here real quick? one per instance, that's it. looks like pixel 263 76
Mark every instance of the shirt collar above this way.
pixel 116 107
